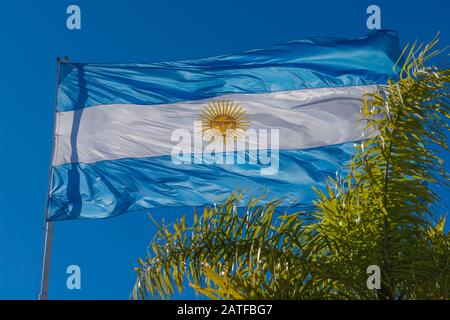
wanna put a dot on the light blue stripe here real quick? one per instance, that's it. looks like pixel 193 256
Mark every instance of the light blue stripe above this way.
pixel 301 64
pixel 108 188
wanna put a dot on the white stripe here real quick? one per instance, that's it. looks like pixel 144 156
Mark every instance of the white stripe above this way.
pixel 305 118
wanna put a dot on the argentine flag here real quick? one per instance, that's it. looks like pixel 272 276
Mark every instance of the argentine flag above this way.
pixel 275 121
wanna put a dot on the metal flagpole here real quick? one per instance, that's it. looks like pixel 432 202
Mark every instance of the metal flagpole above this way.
pixel 43 295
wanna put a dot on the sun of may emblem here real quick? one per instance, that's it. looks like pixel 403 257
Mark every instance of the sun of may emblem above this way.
pixel 224 120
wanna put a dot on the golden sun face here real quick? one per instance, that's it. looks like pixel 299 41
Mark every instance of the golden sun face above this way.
pixel 224 120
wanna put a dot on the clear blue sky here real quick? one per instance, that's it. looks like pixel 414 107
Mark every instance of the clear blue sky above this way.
pixel 33 33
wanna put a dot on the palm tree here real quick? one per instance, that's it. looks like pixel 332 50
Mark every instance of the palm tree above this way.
pixel 381 215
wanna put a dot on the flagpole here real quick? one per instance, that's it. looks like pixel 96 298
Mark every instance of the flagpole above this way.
pixel 43 295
